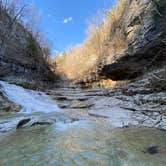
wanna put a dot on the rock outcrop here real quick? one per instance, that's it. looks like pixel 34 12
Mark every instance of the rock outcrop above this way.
pixel 7 106
pixel 21 57
pixel 144 27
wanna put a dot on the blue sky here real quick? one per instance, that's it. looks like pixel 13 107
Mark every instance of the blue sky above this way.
pixel 64 22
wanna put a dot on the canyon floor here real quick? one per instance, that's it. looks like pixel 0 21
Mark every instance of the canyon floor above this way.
pixel 75 126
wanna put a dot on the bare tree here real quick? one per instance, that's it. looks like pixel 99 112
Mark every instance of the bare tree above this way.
pixel 33 22
pixel 14 15
pixel 28 16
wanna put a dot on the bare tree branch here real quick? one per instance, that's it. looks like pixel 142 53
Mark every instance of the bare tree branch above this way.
pixel 8 33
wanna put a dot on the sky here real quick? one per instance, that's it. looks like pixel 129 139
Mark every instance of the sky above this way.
pixel 65 22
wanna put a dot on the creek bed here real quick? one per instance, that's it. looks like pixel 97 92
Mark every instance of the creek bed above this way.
pixel 91 130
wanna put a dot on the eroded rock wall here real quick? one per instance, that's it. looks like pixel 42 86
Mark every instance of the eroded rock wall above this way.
pixel 144 27
pixel 21 58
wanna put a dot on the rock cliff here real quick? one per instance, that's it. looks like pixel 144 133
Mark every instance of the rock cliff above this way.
pixel 21 58
pixel 144 27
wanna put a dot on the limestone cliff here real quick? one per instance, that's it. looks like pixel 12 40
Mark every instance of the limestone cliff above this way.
pixel 144 27
pixel 21 58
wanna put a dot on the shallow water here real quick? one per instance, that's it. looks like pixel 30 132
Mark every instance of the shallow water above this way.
pixel 85 141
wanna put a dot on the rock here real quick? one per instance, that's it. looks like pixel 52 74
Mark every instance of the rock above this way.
pixel 64 105
pixel 143 24
pixel 61 98
pixel 41 123
pixel 152 150
pixel 97 115
pixel 7 106
pixel 22 123
pixel 81 105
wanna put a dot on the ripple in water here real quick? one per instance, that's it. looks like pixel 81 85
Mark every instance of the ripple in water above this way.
pixel 86 144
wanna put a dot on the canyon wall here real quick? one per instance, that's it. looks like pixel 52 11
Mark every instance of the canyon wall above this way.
pixel 21 57
pixel 144 27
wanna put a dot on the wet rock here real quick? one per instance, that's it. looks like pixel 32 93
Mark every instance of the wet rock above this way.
pixel 64 105
pixel 83 99
pixel 61 98
pixel 41 123
pixel 152 150
pixel 22 123
pixel 7 106
pixel 97 115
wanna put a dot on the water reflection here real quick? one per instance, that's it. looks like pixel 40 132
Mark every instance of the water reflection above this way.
pixel 85 144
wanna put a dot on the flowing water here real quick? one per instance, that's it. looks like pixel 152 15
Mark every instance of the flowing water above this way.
pixel 82 142
pixel 30 100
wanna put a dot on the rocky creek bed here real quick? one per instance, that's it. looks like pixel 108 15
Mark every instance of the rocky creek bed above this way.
pixel 121 110
pixel 74 126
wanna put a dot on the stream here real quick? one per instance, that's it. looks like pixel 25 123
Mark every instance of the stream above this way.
pixel 75 127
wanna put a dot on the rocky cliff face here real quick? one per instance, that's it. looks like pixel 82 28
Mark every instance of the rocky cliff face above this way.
pixel 144 27
pixel 21 58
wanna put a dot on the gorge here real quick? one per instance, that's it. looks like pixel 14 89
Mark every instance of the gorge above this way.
pixel 101 103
